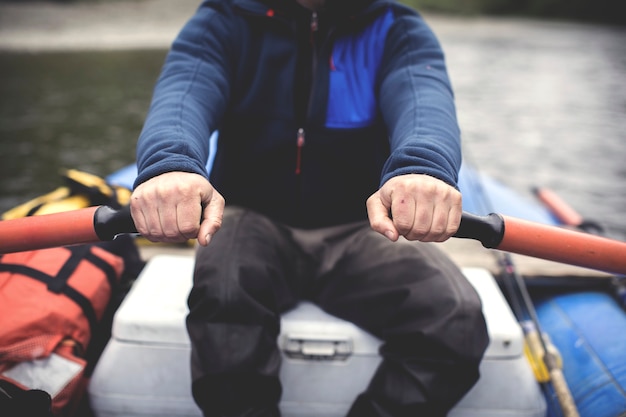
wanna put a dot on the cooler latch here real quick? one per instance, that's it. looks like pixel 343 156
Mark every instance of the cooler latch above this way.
pixel 317 347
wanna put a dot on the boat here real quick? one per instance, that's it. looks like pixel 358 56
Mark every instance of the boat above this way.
pixel 572 315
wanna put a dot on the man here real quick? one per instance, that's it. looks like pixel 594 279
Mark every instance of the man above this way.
pixel 338 157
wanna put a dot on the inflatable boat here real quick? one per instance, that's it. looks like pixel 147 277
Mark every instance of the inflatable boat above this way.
pixel 142 369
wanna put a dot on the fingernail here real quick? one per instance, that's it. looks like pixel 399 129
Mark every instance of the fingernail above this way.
pixel 389 235
pixel 208 238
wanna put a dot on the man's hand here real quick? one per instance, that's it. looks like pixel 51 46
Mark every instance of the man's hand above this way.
pixel 418 207
pixel 177 206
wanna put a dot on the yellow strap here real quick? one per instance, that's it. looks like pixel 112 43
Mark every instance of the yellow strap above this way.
pixel 83 190
pixel 33 206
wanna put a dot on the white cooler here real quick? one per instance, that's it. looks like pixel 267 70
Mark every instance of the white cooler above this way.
pixel 144 369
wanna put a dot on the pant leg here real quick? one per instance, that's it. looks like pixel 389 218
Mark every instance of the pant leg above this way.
pixel 242 282
pixel 418 302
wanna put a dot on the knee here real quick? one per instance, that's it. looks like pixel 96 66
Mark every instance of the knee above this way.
pixel 447 315
pixel 463 329
pixel 471 325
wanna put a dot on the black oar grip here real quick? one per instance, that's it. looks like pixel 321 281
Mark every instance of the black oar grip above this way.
pixel 489 230
pixel 109 222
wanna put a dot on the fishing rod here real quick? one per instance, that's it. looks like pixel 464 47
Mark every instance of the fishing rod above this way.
pixel 540 350
pixel 494 231
pixel 540 354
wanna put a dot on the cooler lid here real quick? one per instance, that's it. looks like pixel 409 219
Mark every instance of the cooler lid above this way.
pixel 505 333
pixel 155 308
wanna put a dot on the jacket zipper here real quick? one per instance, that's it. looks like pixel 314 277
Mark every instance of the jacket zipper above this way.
pixel 300 138
pixel 314 26
pixel 314 51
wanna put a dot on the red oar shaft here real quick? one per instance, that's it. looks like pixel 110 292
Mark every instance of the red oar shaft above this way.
pixel 88 225
pixel 46 231
pixel 563 245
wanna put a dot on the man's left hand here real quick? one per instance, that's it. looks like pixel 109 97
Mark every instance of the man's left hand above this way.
pixel 416 206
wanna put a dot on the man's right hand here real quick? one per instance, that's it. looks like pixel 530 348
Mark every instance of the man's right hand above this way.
pixel 177 206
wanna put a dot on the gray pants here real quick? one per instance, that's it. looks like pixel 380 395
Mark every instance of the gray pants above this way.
pixel 406 293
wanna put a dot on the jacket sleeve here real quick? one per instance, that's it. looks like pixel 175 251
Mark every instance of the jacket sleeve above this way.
pixel 417 104
pixel 189 99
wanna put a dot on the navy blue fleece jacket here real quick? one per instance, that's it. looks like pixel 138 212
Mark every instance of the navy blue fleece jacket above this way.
pixel 314 110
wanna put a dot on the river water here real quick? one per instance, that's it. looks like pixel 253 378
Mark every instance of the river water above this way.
pixel 539 103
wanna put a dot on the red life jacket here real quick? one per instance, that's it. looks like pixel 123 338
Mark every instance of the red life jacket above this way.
pixel 50 303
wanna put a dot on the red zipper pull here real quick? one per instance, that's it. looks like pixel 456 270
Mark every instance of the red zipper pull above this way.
pixel 300 144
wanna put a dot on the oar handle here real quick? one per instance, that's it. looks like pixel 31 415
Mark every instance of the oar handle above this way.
pixel 109 222
pixel 87 225
pixel 552 243
pixel 489 229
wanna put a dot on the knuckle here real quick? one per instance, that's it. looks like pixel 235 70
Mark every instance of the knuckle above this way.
pixel 171 235
pixel 437 230
pixel 420 232
pixel 377 224
pixel 217 224
pixel 188 229
pixel 185 188
pixel 403 227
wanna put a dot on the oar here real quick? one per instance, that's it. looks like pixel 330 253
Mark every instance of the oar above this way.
pixel 552 243
pixel 87 225
pixel 564 212
pixel 494 231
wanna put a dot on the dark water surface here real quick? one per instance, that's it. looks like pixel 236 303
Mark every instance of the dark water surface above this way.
pixel 539 103
pixel 69 110
pixel 544 104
